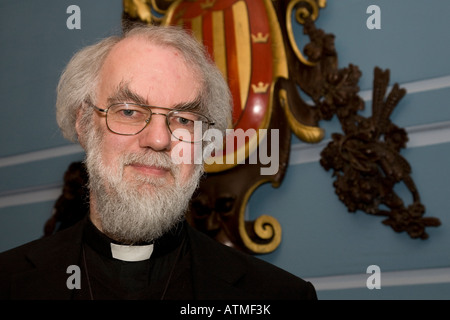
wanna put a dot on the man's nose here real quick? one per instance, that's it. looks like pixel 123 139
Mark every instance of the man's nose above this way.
pixel 156 135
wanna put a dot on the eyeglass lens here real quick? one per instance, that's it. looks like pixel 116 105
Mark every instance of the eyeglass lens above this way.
pixel 130 119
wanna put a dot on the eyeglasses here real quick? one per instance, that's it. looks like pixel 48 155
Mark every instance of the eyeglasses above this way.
pixel 129 119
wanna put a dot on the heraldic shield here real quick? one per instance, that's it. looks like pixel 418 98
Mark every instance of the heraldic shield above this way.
pixel 251 48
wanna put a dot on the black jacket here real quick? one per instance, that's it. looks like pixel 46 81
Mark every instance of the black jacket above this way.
pixel 38 270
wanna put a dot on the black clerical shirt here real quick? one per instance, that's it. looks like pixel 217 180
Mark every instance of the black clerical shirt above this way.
pixel 185 265
pixel 166 275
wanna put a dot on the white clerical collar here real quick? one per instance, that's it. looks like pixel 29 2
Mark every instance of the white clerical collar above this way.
pixel 131 253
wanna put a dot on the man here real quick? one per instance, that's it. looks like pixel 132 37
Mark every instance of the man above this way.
pixel 130 101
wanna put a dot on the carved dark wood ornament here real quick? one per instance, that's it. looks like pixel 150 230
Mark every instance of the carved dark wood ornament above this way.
pixel 252 42
pixel 366 159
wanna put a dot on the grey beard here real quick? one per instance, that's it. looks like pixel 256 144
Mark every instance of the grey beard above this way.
pixel 143 209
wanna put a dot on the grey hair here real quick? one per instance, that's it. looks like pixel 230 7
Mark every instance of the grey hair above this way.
pixel 78 82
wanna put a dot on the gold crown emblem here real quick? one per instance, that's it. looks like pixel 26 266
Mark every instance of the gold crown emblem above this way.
pixel 260 38
pixel 260 88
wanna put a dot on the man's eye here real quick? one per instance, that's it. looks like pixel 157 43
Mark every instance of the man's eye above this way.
pixel 127 112
pixel 181 122
pixel 184 121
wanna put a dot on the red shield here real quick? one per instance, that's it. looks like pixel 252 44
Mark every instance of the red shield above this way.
pixel 239 37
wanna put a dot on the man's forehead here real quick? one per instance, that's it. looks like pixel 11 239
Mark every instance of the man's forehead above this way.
pixel 137 70
pixel 137 45
pixel 147 68
pixel 137 56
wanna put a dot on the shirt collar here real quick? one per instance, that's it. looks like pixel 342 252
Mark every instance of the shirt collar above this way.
pixel 106 246
pixel 131 253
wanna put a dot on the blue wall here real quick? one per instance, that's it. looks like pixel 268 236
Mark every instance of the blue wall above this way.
pixel 35 46
pixel 321 240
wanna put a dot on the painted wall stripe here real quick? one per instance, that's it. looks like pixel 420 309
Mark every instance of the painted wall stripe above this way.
pixel 40 155
pixel 411 87
pixel 414 87
pixel 23 198
pixel 419 136
pixel 388 279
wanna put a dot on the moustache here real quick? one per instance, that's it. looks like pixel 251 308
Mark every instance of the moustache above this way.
pixel 153 159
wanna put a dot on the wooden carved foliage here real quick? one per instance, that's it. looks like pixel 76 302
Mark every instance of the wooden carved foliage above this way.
pixel 365 159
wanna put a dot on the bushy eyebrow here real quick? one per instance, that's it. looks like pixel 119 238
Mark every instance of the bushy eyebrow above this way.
pixel 123 93
pixel 189 106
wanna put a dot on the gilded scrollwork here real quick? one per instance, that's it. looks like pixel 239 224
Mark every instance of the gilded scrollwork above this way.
pixel 301 10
